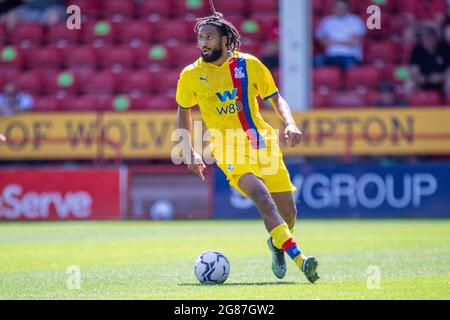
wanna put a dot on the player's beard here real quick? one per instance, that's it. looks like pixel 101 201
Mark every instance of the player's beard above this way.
pixel 213 56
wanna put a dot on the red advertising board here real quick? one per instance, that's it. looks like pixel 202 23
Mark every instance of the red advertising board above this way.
pixel 60 194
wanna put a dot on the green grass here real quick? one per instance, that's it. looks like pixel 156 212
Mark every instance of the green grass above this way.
pixel 154 260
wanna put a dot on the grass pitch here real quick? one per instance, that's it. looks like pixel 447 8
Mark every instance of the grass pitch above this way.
pixel 154 260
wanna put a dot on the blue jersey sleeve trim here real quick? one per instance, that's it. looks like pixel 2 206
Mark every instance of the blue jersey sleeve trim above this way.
pixel 272 95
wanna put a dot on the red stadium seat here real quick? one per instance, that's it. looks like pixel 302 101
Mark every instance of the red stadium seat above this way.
pixel 88 7
pixel 169 80
pixel 59 34
pixel 186 55
pixel 327 76
pixel 139 31
pixel 102 82
pixel 122 8
pixel 231 7
pixel 157 54
pixel 254 28
pixel 264 6
pixel 2 34
pixel 81 56
pixel 115 56
pixel 183 8
pixel 136 82
pixel 58 81
pixel 447 100
pixel 158 9
pixel 45 58
pixel 424 98
pixel 366 75
pixel 101 31
pixel 321 99
pixel 81 103
pixel 251 46
pixel 161 102
pixel 175 29
pixel 11 57
pixel 27 33
pixel 29 82
pixel 83 73
pixel 348 99
pixel 48 103
pixel 386 51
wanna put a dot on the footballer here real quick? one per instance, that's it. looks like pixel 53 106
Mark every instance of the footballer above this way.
pixel 225 83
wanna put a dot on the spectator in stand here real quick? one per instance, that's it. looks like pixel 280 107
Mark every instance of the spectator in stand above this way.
pixel 424 13
pixel 430 62
pixel 271 49
pixel 47 12
pixel 12 101
pixel 342 35
pixel 387 96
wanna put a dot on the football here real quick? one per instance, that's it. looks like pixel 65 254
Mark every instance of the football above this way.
pixel 212 267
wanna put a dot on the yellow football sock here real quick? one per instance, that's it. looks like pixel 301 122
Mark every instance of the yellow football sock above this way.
pixel 283 239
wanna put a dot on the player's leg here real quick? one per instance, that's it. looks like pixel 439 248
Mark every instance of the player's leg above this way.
pixel 257 191
pixel 286 207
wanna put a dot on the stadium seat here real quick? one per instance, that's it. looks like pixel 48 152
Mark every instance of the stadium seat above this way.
pixel 115 56
pixel 81 56
pixel 386 51
pixel 423 98
pixel 161 102
pixel 122 8
pixel 321 99
pixel 231 7
pixel 135 32
pixel 11 57
pixel 25 34
pixel 366 75
pixel 348 99
pixel 98 32
pixel 45 58
pixel 60 35
pixel 251 46
pixel 29 82
pixel 81 103
pixel 186 55
pixel 174 29
pixel 447 100
pixel 327 76
pixel 91 8
pixel 263 6
pixel 156 54
pixel 155 9
pixel 60 81
pixel 136 82
pixel 254 28
pixel 196 8
pixel 83 73
pixel 169 80
pixel 102 82
pixel 49 103
pixel 2 34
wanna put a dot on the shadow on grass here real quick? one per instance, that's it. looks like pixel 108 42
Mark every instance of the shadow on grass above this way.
pixel 236 284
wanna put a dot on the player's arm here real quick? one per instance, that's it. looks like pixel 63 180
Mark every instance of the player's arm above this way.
pixel 292 133
pixel 193 160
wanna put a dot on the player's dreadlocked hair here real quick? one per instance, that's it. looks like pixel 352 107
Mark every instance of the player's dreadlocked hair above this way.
pixel 226 28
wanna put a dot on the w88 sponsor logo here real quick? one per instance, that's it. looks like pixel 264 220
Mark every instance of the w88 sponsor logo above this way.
pixel 230 109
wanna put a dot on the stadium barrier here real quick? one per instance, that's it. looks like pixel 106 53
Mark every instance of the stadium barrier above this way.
pixel 353 191
pixel 62 194
pixel 143 135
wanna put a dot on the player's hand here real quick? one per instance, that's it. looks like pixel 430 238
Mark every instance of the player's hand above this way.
pixel 292 135
pixel 2 138
pixel 196 165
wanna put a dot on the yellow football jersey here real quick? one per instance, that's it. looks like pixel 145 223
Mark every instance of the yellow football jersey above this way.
pixel 227 96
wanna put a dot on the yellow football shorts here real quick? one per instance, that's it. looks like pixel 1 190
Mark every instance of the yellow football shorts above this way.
pixel 269 166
